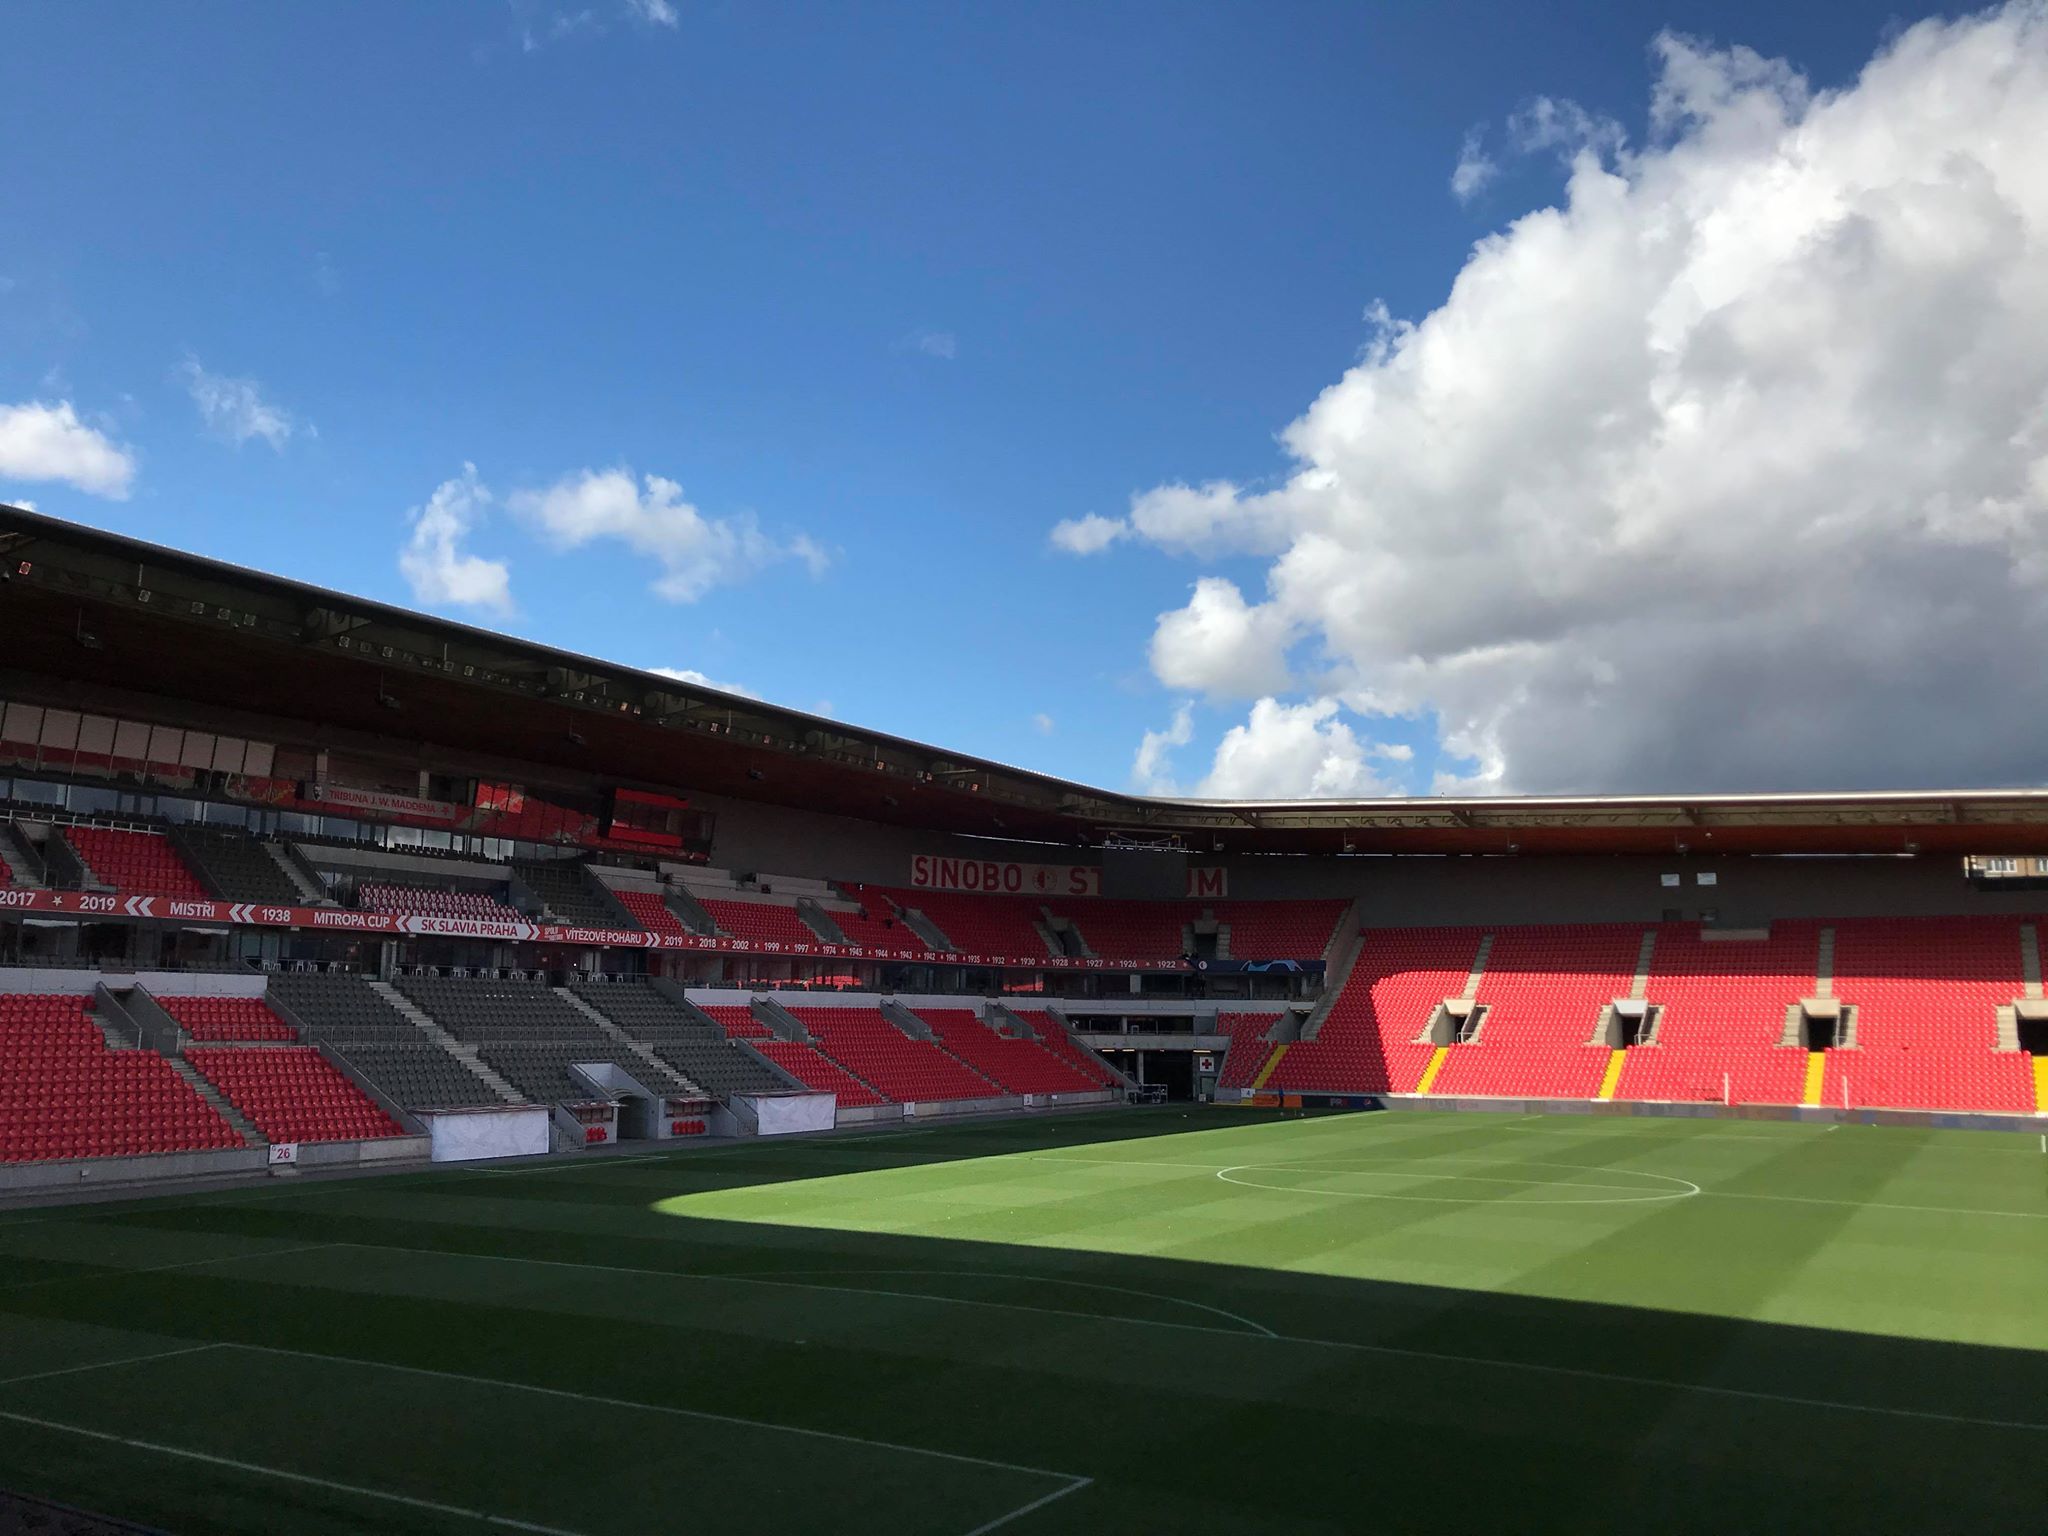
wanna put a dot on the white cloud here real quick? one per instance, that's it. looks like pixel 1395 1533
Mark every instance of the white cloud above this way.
pixel 1152 768
pixel 1042 723
pixel 23 503
pixel 1392 751
pixel 1475 168
pixel 1221 645
pixel 432 560
pixel 235 410
pixel 1286 750
pixel 660 13
pixel 697 679
pixel 48 442
pixel 649 516
pixel 940 344
pixel 1731 471
pixel 1088 535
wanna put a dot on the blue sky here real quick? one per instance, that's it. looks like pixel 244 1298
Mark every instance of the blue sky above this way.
pixel 899 288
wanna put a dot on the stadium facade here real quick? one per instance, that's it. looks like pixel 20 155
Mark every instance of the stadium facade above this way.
pixel 348 877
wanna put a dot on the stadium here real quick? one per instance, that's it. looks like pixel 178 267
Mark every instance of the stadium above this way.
pixel 448 1083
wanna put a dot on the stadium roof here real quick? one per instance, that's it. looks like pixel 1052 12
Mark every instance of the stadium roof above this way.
pixel 123 614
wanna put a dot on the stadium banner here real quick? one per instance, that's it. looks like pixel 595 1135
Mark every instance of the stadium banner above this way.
pixel 106 904
pixel 1261 967
pixel 1207 881
pixel 383 803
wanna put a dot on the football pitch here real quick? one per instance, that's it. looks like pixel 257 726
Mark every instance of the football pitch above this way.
pixel 1134 1321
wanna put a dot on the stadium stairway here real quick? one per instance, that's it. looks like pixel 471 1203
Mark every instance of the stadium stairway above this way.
pixel 604 1026
pixel 1436 1065
pixel 198 1082
pixel 18 858
pixel 461 1051
pixel 2041 1085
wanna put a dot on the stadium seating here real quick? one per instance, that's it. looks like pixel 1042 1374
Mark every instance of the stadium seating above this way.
pixel 875 923
pixel 1056 1040
pixel 978 925
pixel 530 1035
pixel 65 1094
pixel 235 866
pixel 1544 989
pixel 897 1066
pixel 738 1022
pixel 141 863
pixel 1724 1003
pixel 227 1018
pixel 433 901
pixel 1366 1043
pixel 1014 1065
pixel 703 1054
pixel 1927 993
pixel 651 912
pixel 292 1094
pixel 354 1021
pixel 1133 930
pixel 573 894
pixel 760 922
pixel 1249 1048
pixel 815 1070
pixel 1279 930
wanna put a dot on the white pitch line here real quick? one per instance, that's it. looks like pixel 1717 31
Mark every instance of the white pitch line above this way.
pixel 1039 1503
pixel 1631 1194
pixel 850 1290
pixel 103 1365
pixel 683 1413
pixel 156 1269
pixel 505 1522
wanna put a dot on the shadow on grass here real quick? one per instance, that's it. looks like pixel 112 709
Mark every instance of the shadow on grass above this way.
pixel 1199 1393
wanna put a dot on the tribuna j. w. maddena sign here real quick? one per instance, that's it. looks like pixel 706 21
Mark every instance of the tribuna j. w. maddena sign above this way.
pixel 100 905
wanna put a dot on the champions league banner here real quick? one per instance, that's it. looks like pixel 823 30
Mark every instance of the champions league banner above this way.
pixel 1260 967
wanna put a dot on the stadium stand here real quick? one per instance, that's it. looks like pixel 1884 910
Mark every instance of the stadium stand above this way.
pixel 651 912
pixel 234 865
pixel 1366 1043
pixel 1249 1049
pixel 1012 1064
pixel 1544 988
pixel 880 1054
pixel 64 1093
pixel 143 863
pixel 703 1053
pixel 816 1070
pixel 977 925
pixel 529 1035
pixel 873 921
pixel 433 901
pixel 345 1014
pixel 1279 930
pixel 1927 993
pixel 1056 1040
pixel 573 894
pixel 738 1021
pixel 762 922
pixel 227 1018
pixel 1723 1005
pixel 1133 930
pixel 292 1094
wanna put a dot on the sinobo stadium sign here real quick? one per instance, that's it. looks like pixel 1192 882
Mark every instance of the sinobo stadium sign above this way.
pixel 998 877
pixel 92 904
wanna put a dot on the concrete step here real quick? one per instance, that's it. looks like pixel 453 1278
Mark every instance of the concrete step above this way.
pixel 311 892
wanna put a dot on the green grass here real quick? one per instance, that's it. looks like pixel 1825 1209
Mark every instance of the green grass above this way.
pixel 1146 1321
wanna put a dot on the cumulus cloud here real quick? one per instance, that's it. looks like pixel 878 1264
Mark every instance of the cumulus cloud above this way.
pixel 697 679
pixel 433 561
pixel 1088 535
pixel 650 516
pixel 1475 168
pixel 1152 768
pixel 1221 645
pixel 1292 749
pixel 40 441
pixel 234 410
pixel 1728 472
